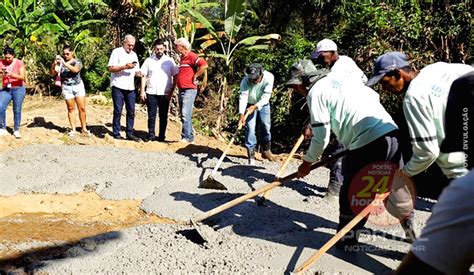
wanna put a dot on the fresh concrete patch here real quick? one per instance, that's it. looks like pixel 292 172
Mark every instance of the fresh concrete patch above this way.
pixel 248 238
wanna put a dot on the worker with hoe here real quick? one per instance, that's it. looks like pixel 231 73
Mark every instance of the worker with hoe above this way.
pixel 362 125
pixel 327 55
pixel 437 106
pixel 424 105
pixel 255 92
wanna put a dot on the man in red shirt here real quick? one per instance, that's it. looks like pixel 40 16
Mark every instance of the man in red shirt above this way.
pixel 191 67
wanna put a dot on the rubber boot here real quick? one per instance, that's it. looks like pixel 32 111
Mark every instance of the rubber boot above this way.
pixel 267 153
pixel 407 225
pixel 251 156
pixel 333 191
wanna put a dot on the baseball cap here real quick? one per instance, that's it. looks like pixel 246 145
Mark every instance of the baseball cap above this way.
pixel 387 63
pixel 324 45
pixel 254 71
pixel 304 72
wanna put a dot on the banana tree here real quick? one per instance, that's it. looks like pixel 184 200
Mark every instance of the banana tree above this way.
pixel 24 20
pixel 78 23
pixel 225 39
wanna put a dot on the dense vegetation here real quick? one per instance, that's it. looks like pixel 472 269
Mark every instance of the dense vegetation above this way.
pixel 232 34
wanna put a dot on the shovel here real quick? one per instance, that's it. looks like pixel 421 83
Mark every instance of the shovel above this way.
pixel 275 183
pixel 210 182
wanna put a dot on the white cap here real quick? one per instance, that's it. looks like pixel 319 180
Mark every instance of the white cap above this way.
pixel 324 45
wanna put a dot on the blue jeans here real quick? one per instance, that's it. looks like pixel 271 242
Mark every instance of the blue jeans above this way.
pixel 160 103
pixel 186 103
pixel 264 117
pixel 15 94
pixel 119 97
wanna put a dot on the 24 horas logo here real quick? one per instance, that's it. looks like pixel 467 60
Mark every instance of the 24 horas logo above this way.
pixel 375 180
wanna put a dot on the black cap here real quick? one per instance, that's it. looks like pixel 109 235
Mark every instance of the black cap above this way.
pixel 304 72
pixel 254 71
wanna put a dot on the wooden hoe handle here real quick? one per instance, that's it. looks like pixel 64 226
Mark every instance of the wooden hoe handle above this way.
pixel 366 211
pixel 255 193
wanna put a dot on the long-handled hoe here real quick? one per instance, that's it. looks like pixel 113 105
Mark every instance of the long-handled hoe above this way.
pixel 366 211
pixel 210 182
pixel 277 182
pixel 262 199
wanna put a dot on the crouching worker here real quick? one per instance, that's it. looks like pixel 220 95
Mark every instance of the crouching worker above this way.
pixel 255 92
pixel 363 126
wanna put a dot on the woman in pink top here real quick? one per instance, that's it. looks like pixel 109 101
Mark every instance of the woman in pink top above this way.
pixel 13 89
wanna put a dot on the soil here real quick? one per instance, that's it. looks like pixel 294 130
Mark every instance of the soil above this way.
pixel 95 204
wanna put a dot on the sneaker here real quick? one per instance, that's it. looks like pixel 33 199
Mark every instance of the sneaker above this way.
pixel 17 134
pixel 160 139
pixel 118 137
pixel 71 134
pixel 185 140
pixel 3 132
pixel 86 133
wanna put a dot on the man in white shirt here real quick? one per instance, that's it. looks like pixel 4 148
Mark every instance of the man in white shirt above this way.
pixel 364 127
pixel 158 75
pixel 123 65
pixel 424 105
pixel 440 248
pixel 326 54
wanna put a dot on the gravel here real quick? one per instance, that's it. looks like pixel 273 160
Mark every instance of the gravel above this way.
pixel 248 238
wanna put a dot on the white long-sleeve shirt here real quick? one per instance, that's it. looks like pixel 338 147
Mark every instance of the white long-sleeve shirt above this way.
pixel 343 104
pixel 424 107
pixel 258 94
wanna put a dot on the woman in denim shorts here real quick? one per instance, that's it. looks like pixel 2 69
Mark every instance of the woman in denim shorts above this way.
pixel 67 70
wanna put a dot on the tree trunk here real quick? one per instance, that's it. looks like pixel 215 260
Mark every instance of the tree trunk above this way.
pixel 171 20
pixel 221 118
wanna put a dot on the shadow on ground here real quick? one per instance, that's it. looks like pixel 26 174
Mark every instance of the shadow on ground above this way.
pixel 30 260
pixel 283 225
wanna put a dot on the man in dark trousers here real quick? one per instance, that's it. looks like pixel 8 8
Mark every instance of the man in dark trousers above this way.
pixel 363 126
pixel 123 65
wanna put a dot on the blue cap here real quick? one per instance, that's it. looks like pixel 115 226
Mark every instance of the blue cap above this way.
pixel 387 63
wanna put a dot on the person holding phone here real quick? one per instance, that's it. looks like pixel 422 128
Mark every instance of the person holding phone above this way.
pixel 123 66
pixel 13 89
pixel 68 68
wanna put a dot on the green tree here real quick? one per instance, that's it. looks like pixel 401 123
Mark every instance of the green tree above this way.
pixel 25 20
pixel 223 43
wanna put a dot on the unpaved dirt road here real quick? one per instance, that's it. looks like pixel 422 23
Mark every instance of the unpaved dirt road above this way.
pixel 94 204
